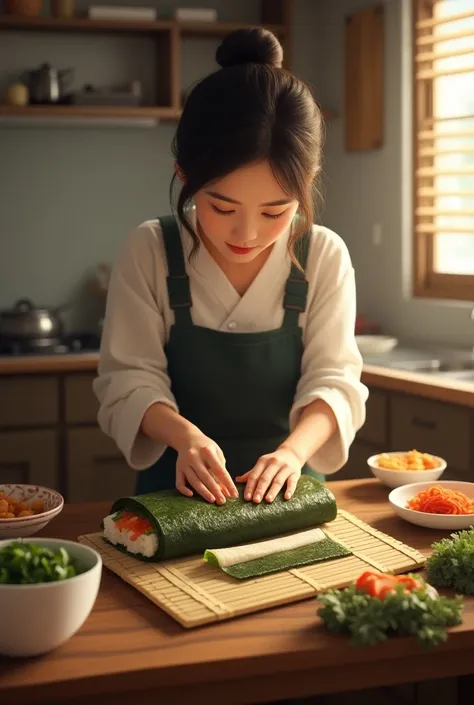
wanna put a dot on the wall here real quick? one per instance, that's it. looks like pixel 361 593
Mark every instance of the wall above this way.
pixel 363 189
pixel 69 196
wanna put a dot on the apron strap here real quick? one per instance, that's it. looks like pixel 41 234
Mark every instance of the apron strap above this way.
pixel 296 289
pixel 179 290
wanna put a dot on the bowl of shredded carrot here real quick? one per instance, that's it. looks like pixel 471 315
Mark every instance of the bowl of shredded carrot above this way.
pixel 446 504
pixel 399 468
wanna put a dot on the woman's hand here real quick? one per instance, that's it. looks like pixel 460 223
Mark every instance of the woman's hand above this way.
pixel 201 464
pixel 270 473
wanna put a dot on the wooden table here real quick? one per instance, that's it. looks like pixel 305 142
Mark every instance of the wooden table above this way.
pixel 130 652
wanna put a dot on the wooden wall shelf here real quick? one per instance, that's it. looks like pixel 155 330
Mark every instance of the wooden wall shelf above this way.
pixel 276 15
pixel 86 111
pixel 83 24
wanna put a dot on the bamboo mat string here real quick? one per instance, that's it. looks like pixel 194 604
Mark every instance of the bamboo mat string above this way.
pixel 370 561
pixel 306 579
pixel 192 589
pixel 398 545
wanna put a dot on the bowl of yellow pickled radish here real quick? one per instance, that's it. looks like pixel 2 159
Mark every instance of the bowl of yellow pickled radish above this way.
pixel 397 468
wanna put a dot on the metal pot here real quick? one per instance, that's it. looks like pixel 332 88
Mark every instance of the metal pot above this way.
pixel 47 84
pixel 25 322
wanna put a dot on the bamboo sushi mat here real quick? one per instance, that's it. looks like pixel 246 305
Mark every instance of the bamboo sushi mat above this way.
pixel 195 593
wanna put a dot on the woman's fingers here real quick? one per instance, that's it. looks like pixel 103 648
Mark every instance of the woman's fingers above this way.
pixel 201 487
pixel 215 461
pixel 202 469
pixel 181 485
pixel 251 478
pixel 220 455
pixel 279 480
pixel 291 485
pixel 266 478
pixel 206 478
pixel 243 478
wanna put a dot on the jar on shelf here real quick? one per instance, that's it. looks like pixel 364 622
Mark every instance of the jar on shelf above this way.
pixel 63 9
pixel 24 8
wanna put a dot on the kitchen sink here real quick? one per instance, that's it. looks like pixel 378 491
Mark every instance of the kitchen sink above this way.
pixel 459 370
pixel 460 363
pixel 464 375
pixel 447 364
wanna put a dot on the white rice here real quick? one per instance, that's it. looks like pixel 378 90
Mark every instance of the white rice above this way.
pixel 146 544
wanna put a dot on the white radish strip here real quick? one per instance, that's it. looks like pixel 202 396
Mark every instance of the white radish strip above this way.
pixel 241 554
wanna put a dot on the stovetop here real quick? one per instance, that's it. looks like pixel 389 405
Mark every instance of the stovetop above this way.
pixel 70 344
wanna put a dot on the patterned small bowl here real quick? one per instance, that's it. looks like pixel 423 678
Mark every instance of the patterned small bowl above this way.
pixel 27 526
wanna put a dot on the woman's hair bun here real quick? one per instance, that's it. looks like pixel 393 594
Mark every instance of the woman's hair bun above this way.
pixel 255 46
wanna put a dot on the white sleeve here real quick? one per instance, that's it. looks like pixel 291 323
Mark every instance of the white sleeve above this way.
pixel 132 372
pixel 331 363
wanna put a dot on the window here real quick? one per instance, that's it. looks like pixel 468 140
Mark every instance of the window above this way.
pixel 444 149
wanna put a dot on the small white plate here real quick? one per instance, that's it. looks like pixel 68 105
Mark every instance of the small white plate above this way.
pixel 399 497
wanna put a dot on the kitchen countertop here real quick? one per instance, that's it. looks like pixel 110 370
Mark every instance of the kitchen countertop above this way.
pixel 419 384
pixel 44 363
pixel 375 375
pixel 130 651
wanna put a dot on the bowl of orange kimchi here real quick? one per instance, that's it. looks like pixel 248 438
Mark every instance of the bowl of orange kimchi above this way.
pixel 446 504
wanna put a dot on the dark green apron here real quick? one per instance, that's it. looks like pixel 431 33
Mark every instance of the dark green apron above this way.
pixel 237 388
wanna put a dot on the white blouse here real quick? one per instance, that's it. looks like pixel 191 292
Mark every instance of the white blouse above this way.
pixel 132 372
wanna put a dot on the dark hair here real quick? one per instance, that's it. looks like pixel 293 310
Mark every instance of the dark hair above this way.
pixel 250 110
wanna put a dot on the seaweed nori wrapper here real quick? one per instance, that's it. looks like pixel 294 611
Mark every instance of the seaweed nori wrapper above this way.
pixel 189 525
pixel 324 550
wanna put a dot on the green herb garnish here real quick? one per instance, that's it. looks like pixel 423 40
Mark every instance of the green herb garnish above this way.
pixel 25 563
pixel 369 620
pixel 451 563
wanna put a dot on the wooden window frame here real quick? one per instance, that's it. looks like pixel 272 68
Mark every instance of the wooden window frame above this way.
pixel 428 283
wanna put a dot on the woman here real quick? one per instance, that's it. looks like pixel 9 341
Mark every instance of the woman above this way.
pixel 228 351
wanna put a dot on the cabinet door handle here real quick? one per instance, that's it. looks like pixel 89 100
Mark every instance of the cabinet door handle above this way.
pixel 423 423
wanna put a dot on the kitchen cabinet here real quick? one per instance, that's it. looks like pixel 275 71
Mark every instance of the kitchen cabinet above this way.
pixel 375 428
pixel 96 468
pixel 29 457
pixel 397 421
pixel 356 466
pixel 49 435
pixel 364 49
pixel 29 401
pixel 81 405
pixel 371 439
pixel 440 428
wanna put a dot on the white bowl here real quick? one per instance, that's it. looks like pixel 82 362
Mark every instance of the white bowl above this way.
pixel 375 344
pixel 397 478
pixel 451 522
pixel 21 527
pixel 37 618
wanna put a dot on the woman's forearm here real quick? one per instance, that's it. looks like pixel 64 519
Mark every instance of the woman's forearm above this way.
pixel 316 425
pixel 162 423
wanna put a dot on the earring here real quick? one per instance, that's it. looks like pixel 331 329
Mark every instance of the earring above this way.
pixel 179 172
